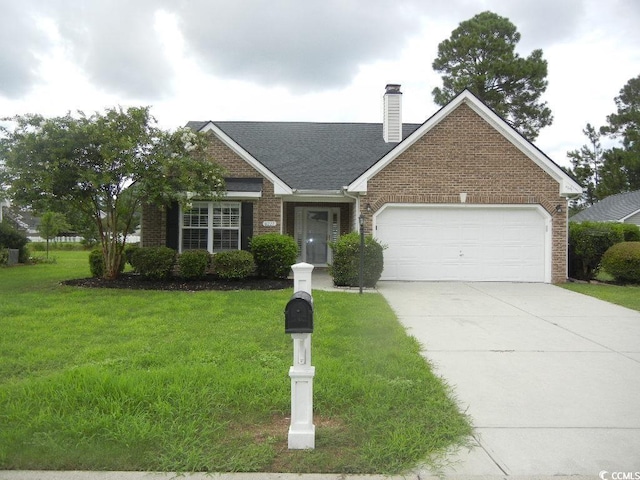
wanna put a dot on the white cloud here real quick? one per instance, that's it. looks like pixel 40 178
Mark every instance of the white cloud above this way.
pixel 316 60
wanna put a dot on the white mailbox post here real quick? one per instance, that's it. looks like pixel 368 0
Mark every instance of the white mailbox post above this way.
pixel 299 322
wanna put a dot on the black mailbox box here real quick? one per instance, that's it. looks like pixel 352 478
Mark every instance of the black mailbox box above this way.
pixel 298 314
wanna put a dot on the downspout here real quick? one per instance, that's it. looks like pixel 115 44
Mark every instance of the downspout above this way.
pixel 355 224
pixel 574 196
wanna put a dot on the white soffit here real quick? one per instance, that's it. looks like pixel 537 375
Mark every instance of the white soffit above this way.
pixel 243 194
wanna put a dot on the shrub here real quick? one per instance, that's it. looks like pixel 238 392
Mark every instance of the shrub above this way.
pixel 630 232
pixel 12 238
pixel 96 263
pixel 587 243
pixel 345 269
pixel 233 264
pixel 622 261
pixel 274 254
pixel 4 256
pixel 89 242
pixel 193 264
pixel 37 247
pixel 128 252
pixel 155 263
pixel 62 246
pixel 34 260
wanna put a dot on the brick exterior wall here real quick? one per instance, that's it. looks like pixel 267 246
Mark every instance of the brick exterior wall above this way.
pixel 153 231
pixel 463 153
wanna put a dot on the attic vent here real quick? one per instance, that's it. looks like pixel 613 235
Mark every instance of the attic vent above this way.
pixel 392 114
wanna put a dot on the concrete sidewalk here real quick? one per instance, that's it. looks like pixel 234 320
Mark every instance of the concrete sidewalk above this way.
pixel 550 378
pixel 321 280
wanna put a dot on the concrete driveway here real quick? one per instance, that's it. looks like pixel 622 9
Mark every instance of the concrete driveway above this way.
pixel 550 378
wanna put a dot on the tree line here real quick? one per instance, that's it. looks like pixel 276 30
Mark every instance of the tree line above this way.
pixel 607 171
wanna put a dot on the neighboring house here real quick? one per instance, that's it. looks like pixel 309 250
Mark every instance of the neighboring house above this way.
pixel 14 216
pixel 623 208
pixel 3 203
pixel 461 197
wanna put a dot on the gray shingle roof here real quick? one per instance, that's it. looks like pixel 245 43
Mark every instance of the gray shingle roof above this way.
pixel 610 209
pixel 311 156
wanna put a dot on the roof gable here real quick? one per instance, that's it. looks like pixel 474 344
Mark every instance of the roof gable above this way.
pixel 279 186
pixel 568 186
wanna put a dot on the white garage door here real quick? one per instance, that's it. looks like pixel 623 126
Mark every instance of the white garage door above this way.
pixel 464 243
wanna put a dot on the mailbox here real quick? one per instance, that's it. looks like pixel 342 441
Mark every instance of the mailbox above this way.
pixel 298 314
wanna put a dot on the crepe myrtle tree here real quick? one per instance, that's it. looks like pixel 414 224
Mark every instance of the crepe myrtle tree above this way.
pixel 105 165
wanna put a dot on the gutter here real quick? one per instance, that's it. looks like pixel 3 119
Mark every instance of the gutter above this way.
pixel 317 193
pixel 334 196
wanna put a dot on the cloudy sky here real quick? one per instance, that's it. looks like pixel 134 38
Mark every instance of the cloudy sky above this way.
pixel 303 60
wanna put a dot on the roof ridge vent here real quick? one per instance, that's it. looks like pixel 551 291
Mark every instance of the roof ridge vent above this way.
pixel 392 114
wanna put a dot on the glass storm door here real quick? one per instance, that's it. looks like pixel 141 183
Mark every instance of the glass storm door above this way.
pixel 316 236
pixel 315 228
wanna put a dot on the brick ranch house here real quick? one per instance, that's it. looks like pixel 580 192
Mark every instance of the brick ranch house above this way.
pixel 461 197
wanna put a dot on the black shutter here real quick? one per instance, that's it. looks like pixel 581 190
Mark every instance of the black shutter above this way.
pixel 173 225
pixel 246 227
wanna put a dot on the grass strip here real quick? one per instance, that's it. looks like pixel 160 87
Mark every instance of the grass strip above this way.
pixel 624 295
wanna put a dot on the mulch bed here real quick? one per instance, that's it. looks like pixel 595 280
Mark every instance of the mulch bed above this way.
pixel 132 281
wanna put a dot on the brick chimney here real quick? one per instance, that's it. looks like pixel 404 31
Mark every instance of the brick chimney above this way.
pixel 392 114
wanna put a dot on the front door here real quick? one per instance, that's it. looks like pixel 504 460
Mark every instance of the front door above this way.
pixel 314 231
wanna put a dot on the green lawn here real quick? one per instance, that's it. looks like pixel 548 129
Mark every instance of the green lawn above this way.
pixel 627 296
pixel 176 381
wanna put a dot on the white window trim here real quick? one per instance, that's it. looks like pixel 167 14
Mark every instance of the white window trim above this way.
pixel 210 228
